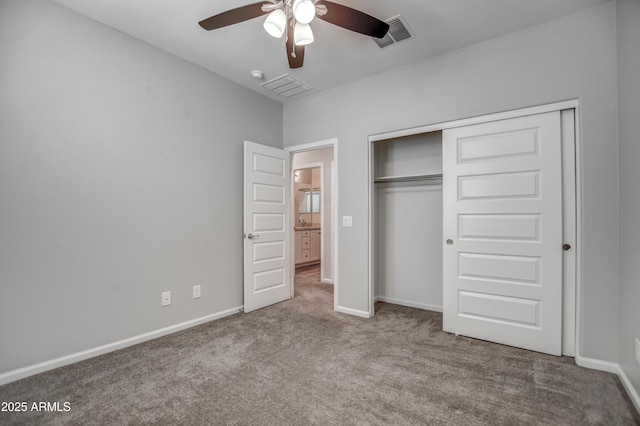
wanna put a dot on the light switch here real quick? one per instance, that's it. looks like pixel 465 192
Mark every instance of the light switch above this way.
pixel 166 298
pixel 347 221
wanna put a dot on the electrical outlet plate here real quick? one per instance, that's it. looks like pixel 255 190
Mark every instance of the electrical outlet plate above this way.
pixel 166 298
pixel 196 291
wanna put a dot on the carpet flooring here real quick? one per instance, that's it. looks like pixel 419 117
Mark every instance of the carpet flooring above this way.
pixel 301 363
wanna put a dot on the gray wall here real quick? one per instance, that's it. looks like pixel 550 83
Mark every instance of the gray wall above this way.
pixel 120 178
pixel 629 137
pixel 572 57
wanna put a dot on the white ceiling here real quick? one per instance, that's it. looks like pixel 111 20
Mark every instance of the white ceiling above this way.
pixel 337 56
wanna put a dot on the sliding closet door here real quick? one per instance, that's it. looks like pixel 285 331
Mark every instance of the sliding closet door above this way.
pixel 503 232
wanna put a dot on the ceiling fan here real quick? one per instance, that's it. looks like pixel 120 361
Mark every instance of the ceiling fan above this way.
pixel 291 18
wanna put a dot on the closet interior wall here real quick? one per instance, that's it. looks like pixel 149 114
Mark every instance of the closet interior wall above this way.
pixel 408 220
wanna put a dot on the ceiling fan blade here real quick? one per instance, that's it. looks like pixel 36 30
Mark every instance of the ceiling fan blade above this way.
pixel 297 60
pixel 233 16
pixel 353 20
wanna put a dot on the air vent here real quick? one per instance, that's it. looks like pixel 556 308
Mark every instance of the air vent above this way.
pixel 398 31
pixel 285 86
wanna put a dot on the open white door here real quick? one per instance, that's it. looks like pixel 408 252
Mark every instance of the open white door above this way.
pixel 267 251
pixel 502 193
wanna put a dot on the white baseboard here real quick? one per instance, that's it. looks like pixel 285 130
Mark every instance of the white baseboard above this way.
pixel 356 312
pixel 611 367
pixel 596 364
pixel 21 373
pixel 631 391
pixel 410 304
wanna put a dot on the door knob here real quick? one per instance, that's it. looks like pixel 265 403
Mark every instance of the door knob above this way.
pixel 253 236
pixel 449 241
pixel 566 247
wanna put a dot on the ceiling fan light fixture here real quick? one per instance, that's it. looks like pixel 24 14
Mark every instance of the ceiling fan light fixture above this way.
pixel 304 11
pixel 276 23
pixel 302 35
pixel 293 17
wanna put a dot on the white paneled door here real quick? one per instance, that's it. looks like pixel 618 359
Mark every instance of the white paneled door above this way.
pixel 502 194
pixel 267 261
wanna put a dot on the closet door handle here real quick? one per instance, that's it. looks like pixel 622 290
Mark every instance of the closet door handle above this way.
pixel 449 241
pixel 253 236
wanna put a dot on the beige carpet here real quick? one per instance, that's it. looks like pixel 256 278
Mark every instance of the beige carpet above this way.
pixel 300 363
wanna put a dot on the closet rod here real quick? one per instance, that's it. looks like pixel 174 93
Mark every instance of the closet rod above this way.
pixel 431 176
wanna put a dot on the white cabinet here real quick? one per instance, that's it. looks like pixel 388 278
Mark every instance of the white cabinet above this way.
pixel 298 247
pixel 303 246
pixel 315 245
pixel 307 246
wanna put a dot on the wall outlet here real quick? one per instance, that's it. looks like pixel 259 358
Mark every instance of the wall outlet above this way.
pixel 196 291
pixel 637 350
pixel 166 298
pixel 347 221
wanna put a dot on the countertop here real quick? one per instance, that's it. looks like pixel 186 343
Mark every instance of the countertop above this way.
pixel 306 228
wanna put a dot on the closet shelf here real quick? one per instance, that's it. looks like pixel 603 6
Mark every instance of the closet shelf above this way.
pixel 408 178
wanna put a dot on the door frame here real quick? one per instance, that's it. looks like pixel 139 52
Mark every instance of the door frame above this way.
pixel 571 197
pixel 327 143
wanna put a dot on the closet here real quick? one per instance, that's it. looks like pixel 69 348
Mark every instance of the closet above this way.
pixel 407 176
pixel 476 219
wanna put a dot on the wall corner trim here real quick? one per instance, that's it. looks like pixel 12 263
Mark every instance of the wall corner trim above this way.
pixel 21 373
pixel 355 312
pixel 612 367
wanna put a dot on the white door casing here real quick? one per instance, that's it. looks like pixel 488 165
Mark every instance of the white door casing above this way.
pixel 502 196
pixel 267 240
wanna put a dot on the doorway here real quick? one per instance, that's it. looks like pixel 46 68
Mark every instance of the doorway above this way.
pixel 307 197
pixel 268 229
pixel 313 190
pixel 312 199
